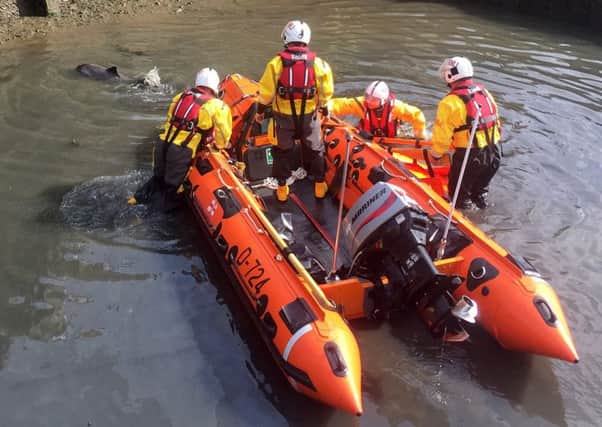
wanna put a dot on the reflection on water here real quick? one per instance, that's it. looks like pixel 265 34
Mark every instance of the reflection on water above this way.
pixel 39 315
pixel 113 314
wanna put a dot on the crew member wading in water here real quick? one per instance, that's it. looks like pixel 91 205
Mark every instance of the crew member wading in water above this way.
pixel 455 116
pixel 196 118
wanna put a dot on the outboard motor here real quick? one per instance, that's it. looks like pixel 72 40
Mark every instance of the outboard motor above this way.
pixel 386 233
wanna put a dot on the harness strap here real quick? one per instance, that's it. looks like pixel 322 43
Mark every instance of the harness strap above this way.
pixel 360 104
pixel 490 137
pixel 380 125
pixel 483 121
pixel 298 119
pixel 184 123
pixel 168 134
pixel 304 98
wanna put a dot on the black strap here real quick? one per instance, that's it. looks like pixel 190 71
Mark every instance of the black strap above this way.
pixel 489 137
pixel 169 140
pixel 248 120
pixel 298 119
pixel 360 105
pixel 427 159
pixel 295 117
pixel 189 138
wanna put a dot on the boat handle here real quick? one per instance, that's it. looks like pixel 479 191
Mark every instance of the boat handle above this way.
pixel 402 177
pixel 221 178
pixel 258 229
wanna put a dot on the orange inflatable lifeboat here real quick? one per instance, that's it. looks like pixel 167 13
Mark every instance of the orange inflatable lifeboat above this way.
pixel 515 304
pixel 305 331
pixel 301 285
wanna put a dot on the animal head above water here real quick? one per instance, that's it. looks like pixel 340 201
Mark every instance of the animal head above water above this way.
pixel 98 72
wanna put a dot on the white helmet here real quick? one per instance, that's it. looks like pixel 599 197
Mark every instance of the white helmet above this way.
pixel 455 68
pixel 377 93
pixel 208 77
pixel 296 31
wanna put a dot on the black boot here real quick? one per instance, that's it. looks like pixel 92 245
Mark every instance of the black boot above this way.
pixel 464 204
pixel 480 200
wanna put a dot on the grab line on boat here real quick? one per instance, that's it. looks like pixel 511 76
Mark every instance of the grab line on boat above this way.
pixel 293 340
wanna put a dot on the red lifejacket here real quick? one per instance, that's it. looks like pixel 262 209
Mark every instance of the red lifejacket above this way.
pixel 471 92
pixel 185 115
pixel 379 126
pixel 298 77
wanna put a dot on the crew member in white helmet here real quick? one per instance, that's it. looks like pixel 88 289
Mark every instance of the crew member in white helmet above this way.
pixel 455 116
pixel 379 112
pixel 296 83
pixel 195 118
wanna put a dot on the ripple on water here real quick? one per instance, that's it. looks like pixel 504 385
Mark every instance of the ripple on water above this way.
pixel 101 203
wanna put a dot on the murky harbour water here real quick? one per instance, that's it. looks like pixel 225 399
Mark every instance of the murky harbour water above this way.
pixel 113 315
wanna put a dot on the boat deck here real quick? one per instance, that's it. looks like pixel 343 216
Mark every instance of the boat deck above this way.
pixel 313 231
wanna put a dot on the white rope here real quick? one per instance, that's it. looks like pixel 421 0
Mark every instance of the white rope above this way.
pixel 475 123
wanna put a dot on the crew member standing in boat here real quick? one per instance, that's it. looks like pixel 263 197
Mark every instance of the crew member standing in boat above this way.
pixel 379 112
pixel 455 115
pixel 296 83
pixel 196 118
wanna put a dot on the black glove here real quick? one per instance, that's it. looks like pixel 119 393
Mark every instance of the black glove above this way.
pixel 365 134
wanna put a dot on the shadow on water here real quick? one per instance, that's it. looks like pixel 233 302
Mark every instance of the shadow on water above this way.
pixel 527 16
pixel 396 379
pixel 502 374
pixel 98 207
pixel 297 409
pixel 30 306
pixel 512 375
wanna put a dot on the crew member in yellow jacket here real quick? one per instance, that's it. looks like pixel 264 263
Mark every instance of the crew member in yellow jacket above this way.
pixel 296 84
pixel 195 118
pixel 379 112
pixel 455 116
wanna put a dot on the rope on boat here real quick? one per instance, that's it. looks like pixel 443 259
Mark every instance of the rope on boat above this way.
pixel 473 131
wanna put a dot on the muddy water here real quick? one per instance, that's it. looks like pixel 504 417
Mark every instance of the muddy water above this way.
pixel 113 315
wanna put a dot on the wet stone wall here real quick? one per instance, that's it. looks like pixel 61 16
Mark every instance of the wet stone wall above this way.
pixel 578 11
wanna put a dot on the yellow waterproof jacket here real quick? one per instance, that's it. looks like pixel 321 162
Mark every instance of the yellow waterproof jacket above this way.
pixel 269 82
pixel 400 111
pixel 213 114
pixel 451 114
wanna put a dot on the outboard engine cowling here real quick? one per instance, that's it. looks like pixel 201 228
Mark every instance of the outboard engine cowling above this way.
pixel 386 233
pixel 385 219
